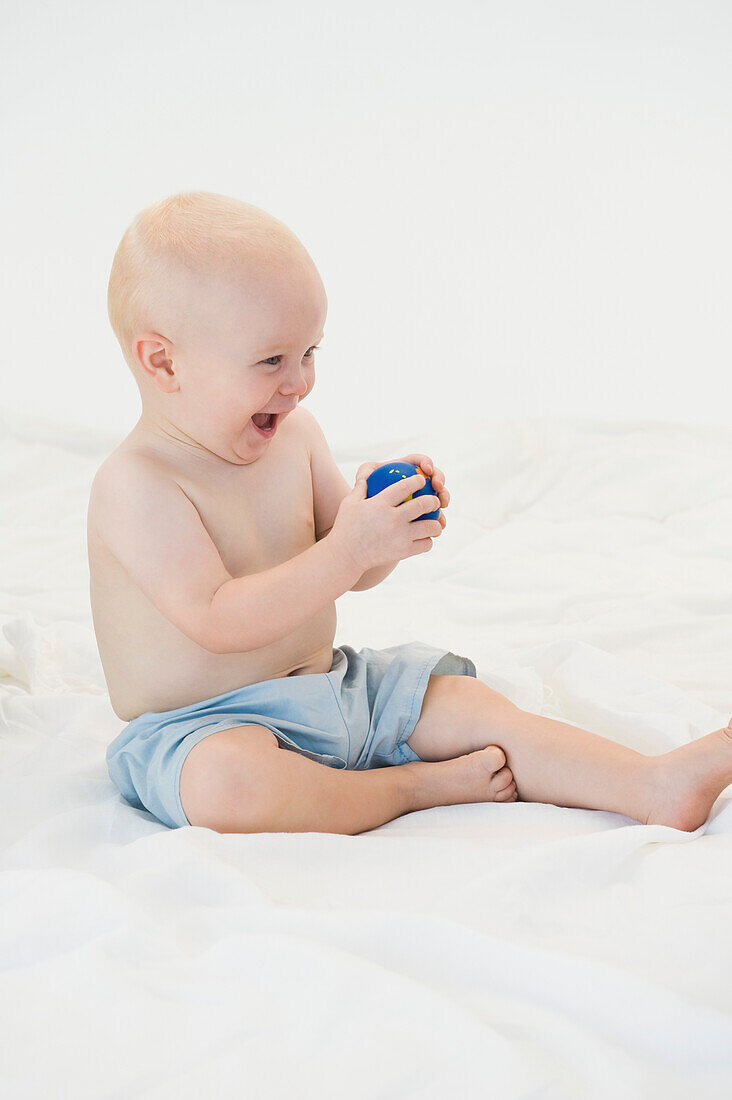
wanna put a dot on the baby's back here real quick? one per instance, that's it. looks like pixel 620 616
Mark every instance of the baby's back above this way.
pixel 257 516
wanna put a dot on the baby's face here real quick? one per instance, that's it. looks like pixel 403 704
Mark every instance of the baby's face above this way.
pixel 250 350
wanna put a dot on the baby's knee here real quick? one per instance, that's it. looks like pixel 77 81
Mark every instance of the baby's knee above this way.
pixel 225 776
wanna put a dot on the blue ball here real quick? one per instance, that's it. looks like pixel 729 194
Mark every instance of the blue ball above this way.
pixel 396 471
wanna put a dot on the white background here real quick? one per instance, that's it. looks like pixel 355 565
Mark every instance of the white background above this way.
pixel 516 208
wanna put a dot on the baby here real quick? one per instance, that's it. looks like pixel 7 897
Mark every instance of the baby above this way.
pixel 220 534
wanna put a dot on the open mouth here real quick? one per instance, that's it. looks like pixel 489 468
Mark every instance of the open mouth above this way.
pixel 265 423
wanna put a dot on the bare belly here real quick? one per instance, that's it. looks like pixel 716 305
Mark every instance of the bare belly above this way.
pixel 203 681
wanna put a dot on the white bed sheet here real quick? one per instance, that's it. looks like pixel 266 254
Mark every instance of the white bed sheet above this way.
pixel 480 950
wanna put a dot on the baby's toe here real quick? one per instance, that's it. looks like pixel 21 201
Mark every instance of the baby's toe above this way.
pixel 493 757
pixel 501 779
pixel 508 794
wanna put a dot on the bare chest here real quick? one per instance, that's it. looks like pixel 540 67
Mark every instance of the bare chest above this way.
pixel 256 518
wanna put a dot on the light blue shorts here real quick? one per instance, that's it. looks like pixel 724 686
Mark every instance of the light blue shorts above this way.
pixel 358 715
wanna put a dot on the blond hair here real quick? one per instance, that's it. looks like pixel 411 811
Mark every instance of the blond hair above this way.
pixel 193 232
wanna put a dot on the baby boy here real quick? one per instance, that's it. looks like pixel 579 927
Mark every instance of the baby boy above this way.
pixel 220 534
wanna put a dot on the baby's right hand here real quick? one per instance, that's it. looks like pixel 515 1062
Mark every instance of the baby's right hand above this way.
pixel 381 529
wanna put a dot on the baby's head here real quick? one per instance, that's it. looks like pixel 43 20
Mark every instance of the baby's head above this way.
pixel 217 307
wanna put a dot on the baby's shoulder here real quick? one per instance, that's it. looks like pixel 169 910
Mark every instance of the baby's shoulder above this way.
pixel 129 455
pixel 126 473
pixel 303 425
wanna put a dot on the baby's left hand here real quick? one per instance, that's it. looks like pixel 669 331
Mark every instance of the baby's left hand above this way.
pixel 436 476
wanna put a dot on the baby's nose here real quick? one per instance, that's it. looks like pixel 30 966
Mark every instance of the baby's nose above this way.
pixel 298 385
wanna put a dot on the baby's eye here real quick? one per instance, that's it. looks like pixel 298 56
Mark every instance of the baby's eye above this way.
pixel 307 355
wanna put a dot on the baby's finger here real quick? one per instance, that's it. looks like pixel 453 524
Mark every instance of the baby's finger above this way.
pixel 437 477
pixel 424 462
pixel 398 491
pixel 365 470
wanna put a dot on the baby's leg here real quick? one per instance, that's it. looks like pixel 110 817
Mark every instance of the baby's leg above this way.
pixel 555 762
pixel 239 781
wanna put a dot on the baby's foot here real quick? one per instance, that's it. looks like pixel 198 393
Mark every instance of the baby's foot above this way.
pixel 480 776
pixel 687 781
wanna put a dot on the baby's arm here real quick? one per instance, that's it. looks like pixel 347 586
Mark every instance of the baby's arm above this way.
pixel 156 533
pixel 329 489
pixel 253 611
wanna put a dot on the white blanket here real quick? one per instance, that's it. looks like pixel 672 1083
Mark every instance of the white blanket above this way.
pixel 522 950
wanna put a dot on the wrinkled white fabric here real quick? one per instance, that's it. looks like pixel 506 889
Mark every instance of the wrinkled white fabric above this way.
pixel 509 951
